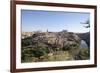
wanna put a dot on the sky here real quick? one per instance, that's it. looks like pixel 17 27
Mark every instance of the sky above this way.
pixel 54 21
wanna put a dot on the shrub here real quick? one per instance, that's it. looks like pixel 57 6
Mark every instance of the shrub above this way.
pixel 84 54
pixel 26 42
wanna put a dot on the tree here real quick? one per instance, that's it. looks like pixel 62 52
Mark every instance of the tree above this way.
pixel 26 42
pixel 87 23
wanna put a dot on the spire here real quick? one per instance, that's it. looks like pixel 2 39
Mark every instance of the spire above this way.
pixel 47 30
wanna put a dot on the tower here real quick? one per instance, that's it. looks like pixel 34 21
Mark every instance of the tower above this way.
pixel 47 30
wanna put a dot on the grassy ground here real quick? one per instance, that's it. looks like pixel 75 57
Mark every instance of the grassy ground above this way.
pixel 55 56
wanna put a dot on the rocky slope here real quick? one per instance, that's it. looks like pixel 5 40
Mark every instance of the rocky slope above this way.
pixel 51 46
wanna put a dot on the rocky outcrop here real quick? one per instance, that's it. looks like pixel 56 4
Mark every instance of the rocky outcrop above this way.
pixel 85 37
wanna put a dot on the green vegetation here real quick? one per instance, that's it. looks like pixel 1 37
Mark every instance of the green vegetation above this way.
pixel 84 54
pixel 39 55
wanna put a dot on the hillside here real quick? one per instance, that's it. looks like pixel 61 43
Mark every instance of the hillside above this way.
pixel 52 46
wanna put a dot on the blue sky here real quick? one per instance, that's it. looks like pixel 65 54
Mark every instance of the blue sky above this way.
pixel 34 20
